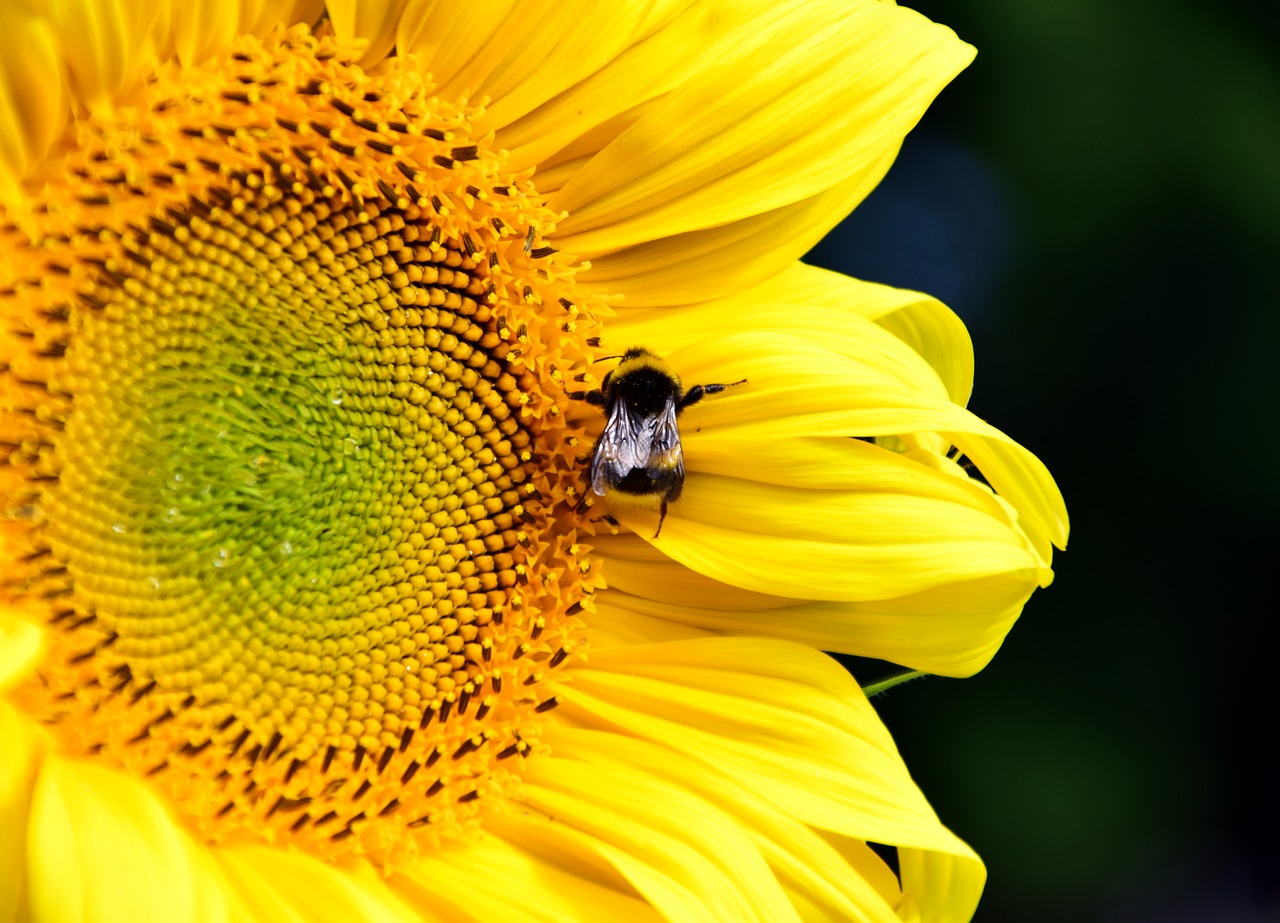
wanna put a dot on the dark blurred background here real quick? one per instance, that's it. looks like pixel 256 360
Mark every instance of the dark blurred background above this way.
pixel 1098 197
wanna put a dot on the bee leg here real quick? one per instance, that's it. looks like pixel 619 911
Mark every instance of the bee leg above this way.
pixel 595 397
pixel 614 528
pixel 662 516
pixel 698 392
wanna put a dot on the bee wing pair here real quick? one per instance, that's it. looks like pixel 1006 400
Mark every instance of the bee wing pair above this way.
pixel 638 442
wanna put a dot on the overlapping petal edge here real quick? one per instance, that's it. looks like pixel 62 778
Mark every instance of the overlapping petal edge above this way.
pixel 685 721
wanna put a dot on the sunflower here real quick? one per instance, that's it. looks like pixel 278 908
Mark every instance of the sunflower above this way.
pixel 308 610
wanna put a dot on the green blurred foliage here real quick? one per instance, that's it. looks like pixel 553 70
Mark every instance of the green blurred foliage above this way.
pixel 1115 761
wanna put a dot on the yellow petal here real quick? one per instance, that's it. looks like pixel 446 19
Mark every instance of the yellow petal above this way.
pixel 194 30
pixel 779 718
pixel 19 647
pixel 101 846
pixel 526 871
pixel 612 625
pixel 197 29
pixel 826 544
pixel 925 324
pixel 715 262
pixel 687 857
pixel 33 95
pixel 867 863
pixel 287 886
pixel 815 876
pixel 24 748
pixel 374 21
pixel 684 329
pixel 108 46
pixel 798 388
pixel 953 630
pixel 635 60
pixel 518 57
pixel 258 17
pixel 800 104
pixel 938 886
pixel 449 38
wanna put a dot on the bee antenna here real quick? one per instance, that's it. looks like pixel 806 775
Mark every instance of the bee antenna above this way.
pixel 632 353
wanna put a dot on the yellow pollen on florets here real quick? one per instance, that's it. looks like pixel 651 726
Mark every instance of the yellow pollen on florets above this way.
pixel 284 475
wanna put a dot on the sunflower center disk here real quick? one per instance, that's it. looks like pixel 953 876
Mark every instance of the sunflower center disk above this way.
pixel 296 522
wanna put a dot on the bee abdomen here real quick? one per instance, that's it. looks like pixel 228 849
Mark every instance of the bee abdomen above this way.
pixel 646 482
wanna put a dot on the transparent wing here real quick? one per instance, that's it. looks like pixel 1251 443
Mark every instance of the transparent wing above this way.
pixel 624 444
pixel 664 444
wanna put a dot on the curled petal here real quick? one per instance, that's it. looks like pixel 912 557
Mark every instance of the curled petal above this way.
pixel 881 387
pixel 922 322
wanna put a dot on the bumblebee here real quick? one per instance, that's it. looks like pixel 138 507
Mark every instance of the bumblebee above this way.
pixel 639 454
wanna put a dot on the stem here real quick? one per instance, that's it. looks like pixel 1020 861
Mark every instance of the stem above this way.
pixel 896 679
